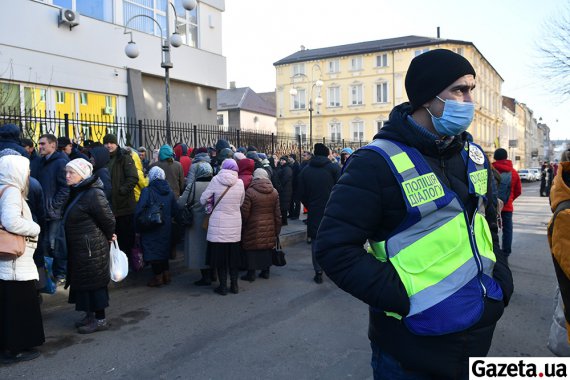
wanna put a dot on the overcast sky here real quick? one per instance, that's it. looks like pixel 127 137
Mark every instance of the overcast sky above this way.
pixel 257 33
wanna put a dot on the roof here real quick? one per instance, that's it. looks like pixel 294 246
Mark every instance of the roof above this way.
pixel 387 44
pixel 244 98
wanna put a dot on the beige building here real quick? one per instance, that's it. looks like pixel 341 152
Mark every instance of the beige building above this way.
pixel 512 133
pixel 347 92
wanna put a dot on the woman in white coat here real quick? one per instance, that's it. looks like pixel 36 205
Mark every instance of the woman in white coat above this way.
pixel 21 326
pixel 224 230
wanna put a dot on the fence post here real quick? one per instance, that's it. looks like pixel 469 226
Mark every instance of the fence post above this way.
pixel 141 141
pixel 238 138
pixel 300 147
pixel 195 133
pixel 66 123
pixel 272 144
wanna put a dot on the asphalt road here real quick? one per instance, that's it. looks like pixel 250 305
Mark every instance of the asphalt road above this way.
pixel 283 328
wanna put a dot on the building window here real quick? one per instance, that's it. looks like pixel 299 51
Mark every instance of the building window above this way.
pixel 420 51
pixel 187 21
pixel 60 97
pixel 334 97
pixel 357 130
pixel 301 130
pixel 42 94
pixel 220 119
pixel 298 69
pixel 458 50
pixel 356 94
pixel 99 9
pixel 379 125
pixel 382 60
pixel 356 63
pixel 108 101
pixel 83 98
pixel 299 100
pixel 382 92
pixel 334 66
pixel 335 132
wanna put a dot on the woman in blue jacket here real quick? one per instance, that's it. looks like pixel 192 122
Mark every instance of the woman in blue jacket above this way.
pixel 156 241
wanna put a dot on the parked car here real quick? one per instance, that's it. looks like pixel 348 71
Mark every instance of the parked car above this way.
pixel 526 175
pixel 535 173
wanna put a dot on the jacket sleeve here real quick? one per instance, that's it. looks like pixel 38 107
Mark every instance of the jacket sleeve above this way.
pixel 101 212
pixel 246 208
pixel 62 193
pixel 208 193
pixel 516 185
pixel 501 272
pixel 11 216
pixel 130 174
pixel 345 228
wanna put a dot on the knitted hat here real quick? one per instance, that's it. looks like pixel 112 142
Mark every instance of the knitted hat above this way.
pixel 242 150
pixel 431 72
pixel 262 156
pixel 500 154
pixel 251 154
pixel 260 174
pixel 110 139
pixel 225 153
pixel 202 149
pixel 156 173
pixel 347 151
pixel 230 164
pixel 63 141
pixel 251 148
pixel 321 150
pixel 81 167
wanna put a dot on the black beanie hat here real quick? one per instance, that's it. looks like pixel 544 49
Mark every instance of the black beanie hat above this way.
pixel 110 139
pixel 321 150
pixel 500 154
pixel 431 72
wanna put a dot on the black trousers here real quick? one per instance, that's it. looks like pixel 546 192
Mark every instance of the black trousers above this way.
pixel 125 230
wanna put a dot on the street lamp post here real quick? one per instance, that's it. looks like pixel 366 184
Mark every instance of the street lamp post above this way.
pixel 318 101
pixel 132 51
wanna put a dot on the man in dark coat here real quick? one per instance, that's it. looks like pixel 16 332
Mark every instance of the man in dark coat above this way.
pixel 285 174
pixel 65 145
pixel 100 157
pixel 315 183
pixel 51 175
pixel 35 158
pixel 369 204
pixel 295 207
pixel 10 138
pixel 124 178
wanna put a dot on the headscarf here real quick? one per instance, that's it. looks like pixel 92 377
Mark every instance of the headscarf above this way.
pixel 165 152
pixel 156 173
pixel 230 164
pixel 203 171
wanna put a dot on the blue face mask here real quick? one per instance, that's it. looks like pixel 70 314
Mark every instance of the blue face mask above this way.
pixel 456 117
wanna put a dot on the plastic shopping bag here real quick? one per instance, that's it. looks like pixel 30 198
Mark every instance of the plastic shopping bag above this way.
pixel 50 285
pixel 119 264
pixel 558 337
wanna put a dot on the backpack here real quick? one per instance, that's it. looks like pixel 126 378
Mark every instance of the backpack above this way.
pixel 504 192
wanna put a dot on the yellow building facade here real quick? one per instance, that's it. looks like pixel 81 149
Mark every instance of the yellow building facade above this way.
pixel 348 91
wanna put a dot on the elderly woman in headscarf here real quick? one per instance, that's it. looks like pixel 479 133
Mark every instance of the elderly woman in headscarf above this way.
pixel 156 242
pixel 89 226
pixel 20 315
pixel 261 224
pixel 195 244
pixel 224 195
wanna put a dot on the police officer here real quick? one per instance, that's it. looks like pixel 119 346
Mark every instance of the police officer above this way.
pixel 433 276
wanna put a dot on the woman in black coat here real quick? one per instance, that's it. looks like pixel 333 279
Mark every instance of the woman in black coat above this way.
pixel 157 242
pixel 89 226
pixel 286 193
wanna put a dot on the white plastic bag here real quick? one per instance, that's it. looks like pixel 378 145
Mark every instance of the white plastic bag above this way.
pixel 119 263
pixel 558 338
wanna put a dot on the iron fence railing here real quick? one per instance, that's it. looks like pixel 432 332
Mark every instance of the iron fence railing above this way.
pixel 152 133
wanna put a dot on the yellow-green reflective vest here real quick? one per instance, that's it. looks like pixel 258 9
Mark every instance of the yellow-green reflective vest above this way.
pixel 444 261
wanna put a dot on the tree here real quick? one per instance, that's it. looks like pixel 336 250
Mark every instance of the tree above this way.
pixel 554 50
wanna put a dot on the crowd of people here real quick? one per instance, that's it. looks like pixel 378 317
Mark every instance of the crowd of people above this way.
pixel 72 201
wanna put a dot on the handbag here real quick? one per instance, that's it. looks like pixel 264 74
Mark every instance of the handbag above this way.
pixel 151 215
pixel 185 216
pixel 136 258
pixel 206 221
pixel 278 256
pixel 12 245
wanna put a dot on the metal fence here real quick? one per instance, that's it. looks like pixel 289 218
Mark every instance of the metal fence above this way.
pixel 152 134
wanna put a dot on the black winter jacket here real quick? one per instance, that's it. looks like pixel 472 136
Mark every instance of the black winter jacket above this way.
pixel 285 174
pixel 89 226
pixel 367 202
pixel 100 158
pixel 51 176
pixel 10 138
pixel 315 183
pixel 124 178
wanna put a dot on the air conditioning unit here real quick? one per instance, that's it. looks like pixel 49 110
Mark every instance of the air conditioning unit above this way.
pixel 68 17
pixel 108 110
